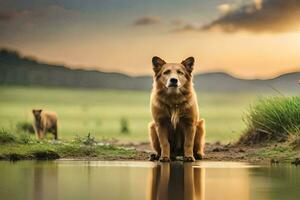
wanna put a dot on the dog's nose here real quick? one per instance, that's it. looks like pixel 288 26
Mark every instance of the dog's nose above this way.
pixel 173 80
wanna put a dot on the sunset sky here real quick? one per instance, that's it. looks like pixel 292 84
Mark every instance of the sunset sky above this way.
pixel 247 38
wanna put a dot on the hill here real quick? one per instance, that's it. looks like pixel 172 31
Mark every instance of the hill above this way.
pixel 19 70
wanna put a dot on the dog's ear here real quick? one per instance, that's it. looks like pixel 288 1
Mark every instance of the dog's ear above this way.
pixel 157 64
pixel 188 64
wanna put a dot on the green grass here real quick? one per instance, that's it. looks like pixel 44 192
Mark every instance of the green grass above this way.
pixel 273 119
pixel 14 147
pixel 283 153
pixel 46 150
pixel 6 137
pixel 100 112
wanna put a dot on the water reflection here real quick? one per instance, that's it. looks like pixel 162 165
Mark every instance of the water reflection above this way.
pixel 176 181
pixel 42 186
pixel 146 180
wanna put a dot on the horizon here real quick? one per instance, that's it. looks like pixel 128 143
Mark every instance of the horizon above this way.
pixel 123 36
pixel 89 68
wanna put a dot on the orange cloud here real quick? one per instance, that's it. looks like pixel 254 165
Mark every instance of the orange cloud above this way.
pixel 260 16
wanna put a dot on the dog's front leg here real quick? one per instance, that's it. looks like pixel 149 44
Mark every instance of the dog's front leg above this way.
pixel 189 136
pixel 162 132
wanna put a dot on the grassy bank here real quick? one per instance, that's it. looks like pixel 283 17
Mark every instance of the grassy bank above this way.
pixel 23 146
pixel 102 112
pixel 273 119
pixel 274 124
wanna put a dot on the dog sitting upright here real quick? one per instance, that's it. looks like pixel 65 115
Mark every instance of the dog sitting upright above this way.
pixel 176 129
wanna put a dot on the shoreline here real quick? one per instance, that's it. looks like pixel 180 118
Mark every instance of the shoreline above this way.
pixel 262 154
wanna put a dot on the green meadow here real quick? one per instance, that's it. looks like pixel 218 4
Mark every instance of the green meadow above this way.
pixel 102 112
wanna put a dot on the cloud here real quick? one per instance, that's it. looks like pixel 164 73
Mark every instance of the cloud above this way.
pixel 258 4
pixel 224 8
pixel 188 26
pixel 147 20
pixel 7 16
pixel 260 16
pixel 179 25
pixel 36 23
pixel 48 13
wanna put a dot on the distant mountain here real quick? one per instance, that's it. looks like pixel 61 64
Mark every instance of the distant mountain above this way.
pixel 18 70
pixel 285 83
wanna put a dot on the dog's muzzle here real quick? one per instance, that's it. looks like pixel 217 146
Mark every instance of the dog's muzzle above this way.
pixel 173 82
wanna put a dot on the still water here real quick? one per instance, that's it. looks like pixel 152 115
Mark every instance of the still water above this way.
pixel 145 180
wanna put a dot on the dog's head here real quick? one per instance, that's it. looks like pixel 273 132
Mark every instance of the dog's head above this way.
pixel 37 113
pixel 173 76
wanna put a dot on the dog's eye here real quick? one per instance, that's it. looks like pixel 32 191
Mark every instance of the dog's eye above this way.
pixel 167 72
pixel 180 72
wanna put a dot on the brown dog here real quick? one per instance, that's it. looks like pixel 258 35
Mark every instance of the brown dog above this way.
pixel 44 122
pixel 176 129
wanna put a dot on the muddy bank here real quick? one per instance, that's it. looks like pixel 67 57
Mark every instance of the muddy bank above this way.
pixel 271 153
pixel 116 150
pixel 213 152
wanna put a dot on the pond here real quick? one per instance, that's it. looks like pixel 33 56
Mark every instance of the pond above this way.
pixel 110 180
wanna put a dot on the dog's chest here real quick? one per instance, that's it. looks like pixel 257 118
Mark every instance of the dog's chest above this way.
pixel 175 116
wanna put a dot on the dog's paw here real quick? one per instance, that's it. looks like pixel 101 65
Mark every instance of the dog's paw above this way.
pixel 188 159
pixel 164 159
pixel 154 157
pixel 198 156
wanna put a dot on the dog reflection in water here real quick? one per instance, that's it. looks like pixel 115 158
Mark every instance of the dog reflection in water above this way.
pixel 175 181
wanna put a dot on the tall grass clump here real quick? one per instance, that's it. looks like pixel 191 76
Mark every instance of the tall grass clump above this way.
pixel 272 119
pixel 86 140
pixel 7 137
pixel 25 127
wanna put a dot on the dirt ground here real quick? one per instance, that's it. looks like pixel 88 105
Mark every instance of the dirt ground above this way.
pixel 213 152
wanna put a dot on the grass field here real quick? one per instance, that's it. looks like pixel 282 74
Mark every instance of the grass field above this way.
pixel 100 112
